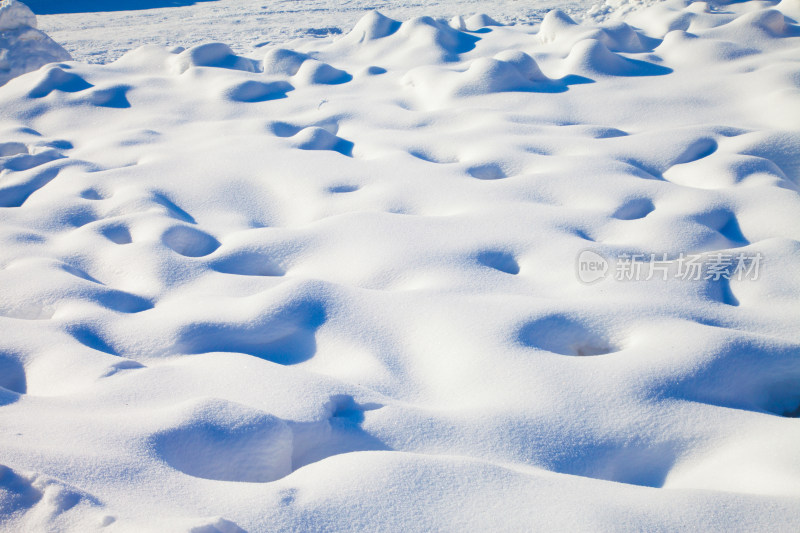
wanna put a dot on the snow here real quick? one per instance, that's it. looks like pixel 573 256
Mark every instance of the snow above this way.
pixel 22 47
pixel 99 31
pixel 15 15
pixel 338 284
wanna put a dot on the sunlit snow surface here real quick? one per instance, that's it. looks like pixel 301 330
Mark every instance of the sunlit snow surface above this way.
pixel 338 288
pixel 99 31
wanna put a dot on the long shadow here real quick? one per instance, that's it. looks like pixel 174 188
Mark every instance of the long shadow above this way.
pixel 90 338
pixel 748 372
pixel 563 334
pixel 641 463
pixel 228 442
pixel 15 195
pixel 340 433
pixel 58 7
pixel 286 337
pixel 13 382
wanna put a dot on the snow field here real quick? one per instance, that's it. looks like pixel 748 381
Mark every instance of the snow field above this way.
pixel 334 288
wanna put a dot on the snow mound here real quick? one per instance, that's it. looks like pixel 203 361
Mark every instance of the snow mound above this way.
pixel 23 48
pixel 420 39
pixel 210 55
pixel 558 28
pixel 519 72
pixel 15 15
pixel 476 22
pixel 524 63
pixel 556 25
pixel 373 26
pixel 283 61
pixel 591 57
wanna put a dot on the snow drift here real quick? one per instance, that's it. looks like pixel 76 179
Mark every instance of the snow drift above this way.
pixel 23 48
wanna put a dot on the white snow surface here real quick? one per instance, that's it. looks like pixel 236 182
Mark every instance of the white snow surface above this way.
pixel 100 31
pixel 14 14
pixel 23 48
pixel 334 287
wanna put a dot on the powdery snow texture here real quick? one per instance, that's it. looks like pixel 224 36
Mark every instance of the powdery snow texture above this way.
pixel 334 288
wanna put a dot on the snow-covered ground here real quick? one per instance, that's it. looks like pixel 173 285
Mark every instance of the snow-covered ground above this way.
pixel 101 34
pixel 422 275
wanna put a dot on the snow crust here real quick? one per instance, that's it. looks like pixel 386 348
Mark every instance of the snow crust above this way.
pixel 333 286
